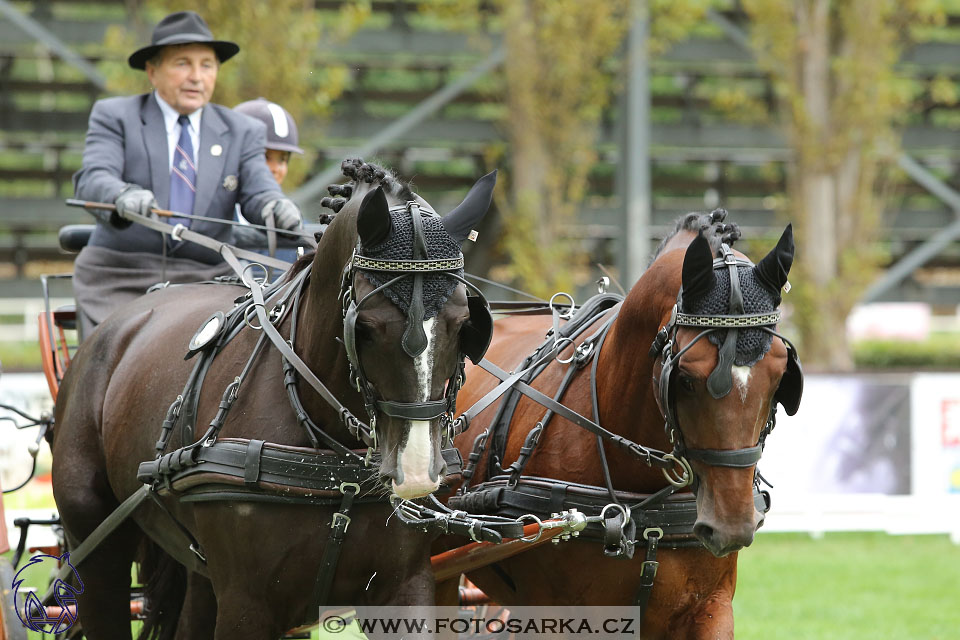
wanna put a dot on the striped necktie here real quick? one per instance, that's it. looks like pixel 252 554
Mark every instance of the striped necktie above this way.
pixel 183 176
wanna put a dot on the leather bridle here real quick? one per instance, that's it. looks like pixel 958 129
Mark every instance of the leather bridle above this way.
pixel 414 268
pixel 719 382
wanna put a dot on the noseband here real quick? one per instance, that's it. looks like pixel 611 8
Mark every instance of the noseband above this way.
pixel 719 383
pixel 414 268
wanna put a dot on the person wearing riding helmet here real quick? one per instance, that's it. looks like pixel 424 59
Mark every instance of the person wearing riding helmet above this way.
pixel 282 141
pixel 282 138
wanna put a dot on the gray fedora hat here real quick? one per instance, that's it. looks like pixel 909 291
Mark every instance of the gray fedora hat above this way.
pixel 182 27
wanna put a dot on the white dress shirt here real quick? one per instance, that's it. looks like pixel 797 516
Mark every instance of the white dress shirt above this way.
pixel 170 117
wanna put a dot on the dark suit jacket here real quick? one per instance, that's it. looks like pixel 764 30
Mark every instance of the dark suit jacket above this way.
pixel 127 144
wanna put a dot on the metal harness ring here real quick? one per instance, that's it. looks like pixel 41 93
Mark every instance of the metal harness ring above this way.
pixel 681 479
pixel 564 341
pixel 569 312
pixel 624 511
pixel 537 521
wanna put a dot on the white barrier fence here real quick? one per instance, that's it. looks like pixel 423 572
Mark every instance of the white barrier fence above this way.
pixel 20 317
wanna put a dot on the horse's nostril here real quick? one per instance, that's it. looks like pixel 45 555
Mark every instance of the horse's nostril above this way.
pixel 703 531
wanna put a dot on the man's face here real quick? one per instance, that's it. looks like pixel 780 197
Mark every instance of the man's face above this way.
pixel 278 162
pixel 185 76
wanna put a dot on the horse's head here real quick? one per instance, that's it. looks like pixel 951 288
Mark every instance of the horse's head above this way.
pixel 409 322
pixel 722 371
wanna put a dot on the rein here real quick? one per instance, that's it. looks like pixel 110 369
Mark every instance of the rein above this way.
pixel 626 519
pixel 253 470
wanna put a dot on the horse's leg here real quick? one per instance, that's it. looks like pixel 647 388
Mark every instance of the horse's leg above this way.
pixel 242 615
pixel 199 614
pixel 448 593
pixel 84 498
pixel 104 605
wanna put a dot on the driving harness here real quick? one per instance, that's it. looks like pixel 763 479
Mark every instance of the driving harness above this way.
pixel 625 519
pixel 329 473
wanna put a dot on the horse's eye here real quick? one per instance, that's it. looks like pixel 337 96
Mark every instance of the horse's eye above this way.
pixel 364 331
pixel 686 382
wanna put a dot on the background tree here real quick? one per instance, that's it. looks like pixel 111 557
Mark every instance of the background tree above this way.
pixel 279 59
pixel 842 99
pixel 561 73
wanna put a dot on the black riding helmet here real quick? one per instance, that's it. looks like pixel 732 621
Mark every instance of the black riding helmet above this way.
pixel 281 129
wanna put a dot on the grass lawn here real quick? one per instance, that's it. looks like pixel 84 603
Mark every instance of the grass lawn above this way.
pixel 848 586
pixel 845 586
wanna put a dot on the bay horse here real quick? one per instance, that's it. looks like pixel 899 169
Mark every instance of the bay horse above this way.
pixel 393 352
pixel 630 388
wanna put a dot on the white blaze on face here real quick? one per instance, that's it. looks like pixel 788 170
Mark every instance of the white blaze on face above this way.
pixel 414 456
pixel 741 377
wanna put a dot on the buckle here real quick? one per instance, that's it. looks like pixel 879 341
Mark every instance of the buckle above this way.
pixel 337 517
pixel 729 258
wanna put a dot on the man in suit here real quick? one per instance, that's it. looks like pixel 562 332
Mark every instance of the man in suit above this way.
pixel 169 149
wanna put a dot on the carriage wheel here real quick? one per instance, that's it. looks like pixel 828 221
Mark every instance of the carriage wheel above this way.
pixel 10 626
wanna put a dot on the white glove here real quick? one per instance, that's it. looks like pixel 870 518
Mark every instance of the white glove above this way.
pixel 285 214
pixel 135 200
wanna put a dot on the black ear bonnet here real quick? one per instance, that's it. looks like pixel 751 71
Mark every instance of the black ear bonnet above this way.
pixel 752 343
pixel 399 245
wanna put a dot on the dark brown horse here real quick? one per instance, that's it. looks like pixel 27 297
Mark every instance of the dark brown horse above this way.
pixel 694 587
pixel 261 560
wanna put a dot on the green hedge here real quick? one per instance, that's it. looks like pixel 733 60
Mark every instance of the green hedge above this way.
pixel 939 351
pixel 20 356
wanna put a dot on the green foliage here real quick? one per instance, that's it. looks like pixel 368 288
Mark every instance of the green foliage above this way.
pixel 563 66
pixel 843 99
pixel 939 351
pixel 671 21
pixel 20 356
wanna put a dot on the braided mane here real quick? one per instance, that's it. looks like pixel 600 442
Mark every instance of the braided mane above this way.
pixel 365 172
pixel 711 224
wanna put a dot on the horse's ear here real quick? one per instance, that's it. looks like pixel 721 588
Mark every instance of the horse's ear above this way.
pixel 468 213
pixel 698 276
pixel 373 221
pixel 772 270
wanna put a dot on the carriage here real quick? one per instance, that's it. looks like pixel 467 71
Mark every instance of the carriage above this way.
pixel 560 380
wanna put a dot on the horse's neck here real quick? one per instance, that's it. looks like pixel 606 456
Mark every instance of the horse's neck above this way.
pixel 627 402
pixel 320 324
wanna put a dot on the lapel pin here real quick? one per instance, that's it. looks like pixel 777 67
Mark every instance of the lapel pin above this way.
pixel 230 183
pixel 216 150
